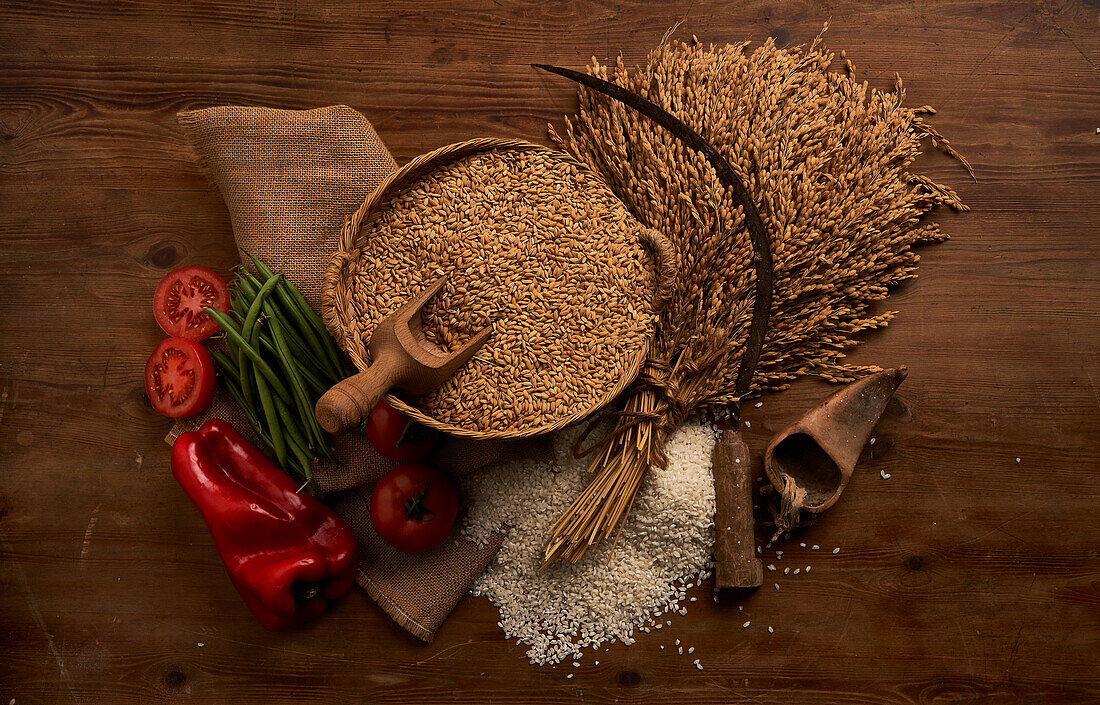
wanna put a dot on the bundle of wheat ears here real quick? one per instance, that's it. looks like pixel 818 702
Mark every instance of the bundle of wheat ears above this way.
pixel 827 160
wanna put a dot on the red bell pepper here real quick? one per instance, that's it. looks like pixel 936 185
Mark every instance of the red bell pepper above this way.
pixel 286 553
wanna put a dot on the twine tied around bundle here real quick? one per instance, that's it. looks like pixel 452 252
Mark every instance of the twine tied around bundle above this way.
pixel 666 413
pixel 786 506
pixel 673 400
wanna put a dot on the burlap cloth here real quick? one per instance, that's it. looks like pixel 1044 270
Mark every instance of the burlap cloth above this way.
pixel 290 178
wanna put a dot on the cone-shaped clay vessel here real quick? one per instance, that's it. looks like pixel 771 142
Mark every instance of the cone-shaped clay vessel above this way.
pixel 817 454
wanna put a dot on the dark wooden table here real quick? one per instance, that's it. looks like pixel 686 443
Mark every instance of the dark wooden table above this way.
pixel 971 575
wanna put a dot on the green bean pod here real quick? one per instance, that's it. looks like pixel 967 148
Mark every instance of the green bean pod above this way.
pixel 332 353
pixel 306 331
pixel 248 325
pixel 249 286
pixel 231 330
pixel 303 459
pixel 309 323
pixel 292 425
pixel 234 391
pixel 296 442
pixel 304 352
pixel 309 373
pixel 274 424
pixel 225 365
pixel 305 408
pixel 257 307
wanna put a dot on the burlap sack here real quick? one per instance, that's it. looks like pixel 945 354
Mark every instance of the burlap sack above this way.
pixel 289 179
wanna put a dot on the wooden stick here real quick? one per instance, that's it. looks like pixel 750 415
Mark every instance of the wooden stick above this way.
pixel 736 564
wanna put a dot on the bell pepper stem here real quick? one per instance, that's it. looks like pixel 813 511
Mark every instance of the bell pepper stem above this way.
pixel 306 590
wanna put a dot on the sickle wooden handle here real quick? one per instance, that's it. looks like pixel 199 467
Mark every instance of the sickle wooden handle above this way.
pixel 736 564
pixel 349 402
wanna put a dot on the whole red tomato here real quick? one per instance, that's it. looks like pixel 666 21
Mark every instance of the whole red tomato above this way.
pixel 414 507
pixel 397 437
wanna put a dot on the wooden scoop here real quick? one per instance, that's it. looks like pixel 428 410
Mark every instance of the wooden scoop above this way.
pixel 810 462
pixel 401 357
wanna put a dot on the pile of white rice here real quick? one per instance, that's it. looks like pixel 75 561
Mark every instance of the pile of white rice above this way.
pixel 666 546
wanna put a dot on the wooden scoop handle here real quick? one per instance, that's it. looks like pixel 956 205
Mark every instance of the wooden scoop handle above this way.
pixel 349 402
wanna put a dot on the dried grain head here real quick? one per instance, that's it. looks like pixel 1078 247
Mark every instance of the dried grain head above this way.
pixel 827 160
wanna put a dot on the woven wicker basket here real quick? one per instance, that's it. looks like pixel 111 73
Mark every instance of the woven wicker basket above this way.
pixel 339 302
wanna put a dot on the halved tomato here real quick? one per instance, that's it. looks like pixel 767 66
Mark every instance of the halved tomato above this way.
pixel 180 298
pixel 179 378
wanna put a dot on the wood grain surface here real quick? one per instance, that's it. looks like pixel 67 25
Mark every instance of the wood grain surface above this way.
pixel 971 575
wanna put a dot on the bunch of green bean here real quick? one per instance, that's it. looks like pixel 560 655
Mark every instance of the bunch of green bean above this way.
pixel 280 361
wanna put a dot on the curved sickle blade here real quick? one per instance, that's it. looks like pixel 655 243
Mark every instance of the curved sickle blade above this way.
pixel 762 302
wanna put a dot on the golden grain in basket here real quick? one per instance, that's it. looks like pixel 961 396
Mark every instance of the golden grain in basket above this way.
pixel 536 246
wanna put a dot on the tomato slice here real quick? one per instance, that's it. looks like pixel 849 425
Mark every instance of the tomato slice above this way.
pixel 180 298
pixel 179 378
